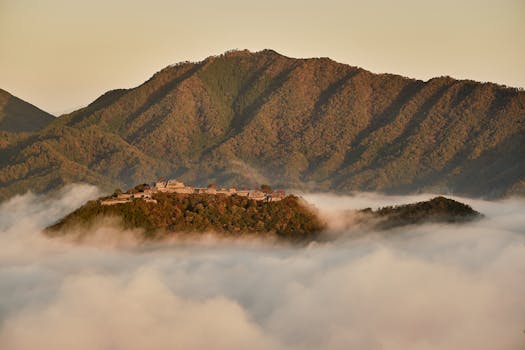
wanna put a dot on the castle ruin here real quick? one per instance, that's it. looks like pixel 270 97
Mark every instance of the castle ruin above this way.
pixel 175 186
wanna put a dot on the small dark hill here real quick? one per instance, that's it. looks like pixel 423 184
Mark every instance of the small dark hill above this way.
pixel 17 115
pixel 438 209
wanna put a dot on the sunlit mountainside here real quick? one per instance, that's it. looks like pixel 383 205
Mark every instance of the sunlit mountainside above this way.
pixel 314 124
pixel 160 212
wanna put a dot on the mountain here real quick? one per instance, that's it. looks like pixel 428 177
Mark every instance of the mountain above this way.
pixel 170 214
pixel 313 124
pixel 163 215
pixel 17 115
pixel 436 210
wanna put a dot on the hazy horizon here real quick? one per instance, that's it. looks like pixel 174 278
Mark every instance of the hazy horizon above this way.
pixel 61 55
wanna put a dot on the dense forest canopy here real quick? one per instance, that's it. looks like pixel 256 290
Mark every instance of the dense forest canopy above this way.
pixel 246 118
pixel 290 218
pixel 438 209
pixel 164 214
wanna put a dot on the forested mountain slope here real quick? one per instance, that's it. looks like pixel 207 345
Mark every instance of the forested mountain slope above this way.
pixel 315 124
pixel 17 115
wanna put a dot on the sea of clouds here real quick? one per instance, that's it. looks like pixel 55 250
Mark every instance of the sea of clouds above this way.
pixel 420 287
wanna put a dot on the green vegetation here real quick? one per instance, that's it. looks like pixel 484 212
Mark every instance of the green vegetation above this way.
pixel 438 209
pixel 289 219
pixel 243 119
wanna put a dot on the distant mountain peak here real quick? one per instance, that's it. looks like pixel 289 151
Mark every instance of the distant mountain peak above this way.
pixel 17 115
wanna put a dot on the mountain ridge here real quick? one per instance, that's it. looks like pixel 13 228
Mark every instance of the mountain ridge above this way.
pixel 17 115
pixel 311 124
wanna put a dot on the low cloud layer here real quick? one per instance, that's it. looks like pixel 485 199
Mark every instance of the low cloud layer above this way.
pixel 423 287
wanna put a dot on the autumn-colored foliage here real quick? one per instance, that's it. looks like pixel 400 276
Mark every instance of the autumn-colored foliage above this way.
pixel 289 218
pixel 247 119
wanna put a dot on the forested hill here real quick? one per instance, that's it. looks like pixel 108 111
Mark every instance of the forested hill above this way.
pixel 17 115
pixel 168 214
pixel 171 213
pixel 436 210
pixel 314 124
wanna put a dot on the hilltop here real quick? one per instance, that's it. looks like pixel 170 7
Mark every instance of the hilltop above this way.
pixel 163 214
pixel 313 124
pixel 169 208
pixel 438 209
pixel 18 116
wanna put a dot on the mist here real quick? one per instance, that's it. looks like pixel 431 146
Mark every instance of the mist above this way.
pixel 419 287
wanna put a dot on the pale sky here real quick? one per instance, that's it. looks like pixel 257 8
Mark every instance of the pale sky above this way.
pixel 62 54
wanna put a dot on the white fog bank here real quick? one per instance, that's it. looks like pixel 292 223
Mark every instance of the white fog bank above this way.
pixel 421 287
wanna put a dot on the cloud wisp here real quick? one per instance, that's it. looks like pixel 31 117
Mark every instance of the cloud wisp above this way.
pixel 420 287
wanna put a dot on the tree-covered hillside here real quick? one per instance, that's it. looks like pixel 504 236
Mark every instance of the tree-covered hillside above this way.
pixel 438 209
pixel 249 118
pixel 289 219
